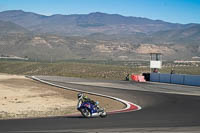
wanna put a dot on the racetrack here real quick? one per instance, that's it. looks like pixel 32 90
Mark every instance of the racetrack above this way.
pixel 160 111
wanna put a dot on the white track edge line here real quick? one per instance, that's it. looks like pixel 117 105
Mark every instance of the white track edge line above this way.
pixel 128 104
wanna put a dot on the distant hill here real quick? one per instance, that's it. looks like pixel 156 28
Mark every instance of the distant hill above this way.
pixel 188 36
pixel 85 24
pixel 94 36
pixel 9 27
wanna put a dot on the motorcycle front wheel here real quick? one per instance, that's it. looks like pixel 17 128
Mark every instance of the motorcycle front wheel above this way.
pixel 103 114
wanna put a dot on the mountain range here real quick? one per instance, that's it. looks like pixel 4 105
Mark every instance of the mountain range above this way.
pixel 94 36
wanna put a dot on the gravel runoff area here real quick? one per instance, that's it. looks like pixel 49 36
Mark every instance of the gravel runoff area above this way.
pixel 21 97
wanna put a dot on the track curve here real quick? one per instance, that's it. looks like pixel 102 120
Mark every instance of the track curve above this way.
pixel 159 110
pixel 129 106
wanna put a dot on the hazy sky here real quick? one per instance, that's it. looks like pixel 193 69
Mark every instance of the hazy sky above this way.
pixel 180 11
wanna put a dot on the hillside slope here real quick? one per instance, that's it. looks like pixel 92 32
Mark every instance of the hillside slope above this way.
pixel 94 36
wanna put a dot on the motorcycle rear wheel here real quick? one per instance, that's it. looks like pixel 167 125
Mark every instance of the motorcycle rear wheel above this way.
pixel 85 112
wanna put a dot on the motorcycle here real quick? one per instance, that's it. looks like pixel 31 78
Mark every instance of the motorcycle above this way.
pixel 90 110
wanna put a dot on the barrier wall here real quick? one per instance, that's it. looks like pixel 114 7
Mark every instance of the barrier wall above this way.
pixel 176 79
pixel 138 78
pixel 192 80
pixel 154 77
pixel 165 78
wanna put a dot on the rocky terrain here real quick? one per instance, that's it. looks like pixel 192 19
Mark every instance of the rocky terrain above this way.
pixel 94 36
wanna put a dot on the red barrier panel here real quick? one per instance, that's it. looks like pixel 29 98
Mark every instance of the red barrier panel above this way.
pixel 138 78
pixel 141 79
pixel 134 77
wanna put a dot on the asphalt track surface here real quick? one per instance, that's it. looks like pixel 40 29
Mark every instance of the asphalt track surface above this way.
pixel 159 111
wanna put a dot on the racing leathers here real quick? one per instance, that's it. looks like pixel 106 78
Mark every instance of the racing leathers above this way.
pixel 85 99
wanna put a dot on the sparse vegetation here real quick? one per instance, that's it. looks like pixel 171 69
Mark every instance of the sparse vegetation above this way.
pixel 118 71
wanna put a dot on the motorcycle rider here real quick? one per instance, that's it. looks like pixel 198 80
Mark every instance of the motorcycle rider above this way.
pixel 99 111
pixel 82 98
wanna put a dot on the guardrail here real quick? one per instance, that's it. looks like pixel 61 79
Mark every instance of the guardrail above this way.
pixel 182 79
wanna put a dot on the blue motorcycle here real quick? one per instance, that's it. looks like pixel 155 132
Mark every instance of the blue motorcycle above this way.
pixel 90 110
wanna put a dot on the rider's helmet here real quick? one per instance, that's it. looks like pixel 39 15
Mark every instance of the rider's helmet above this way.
pixel 80 95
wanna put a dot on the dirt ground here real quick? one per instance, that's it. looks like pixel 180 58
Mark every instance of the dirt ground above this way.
pixel 21 97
